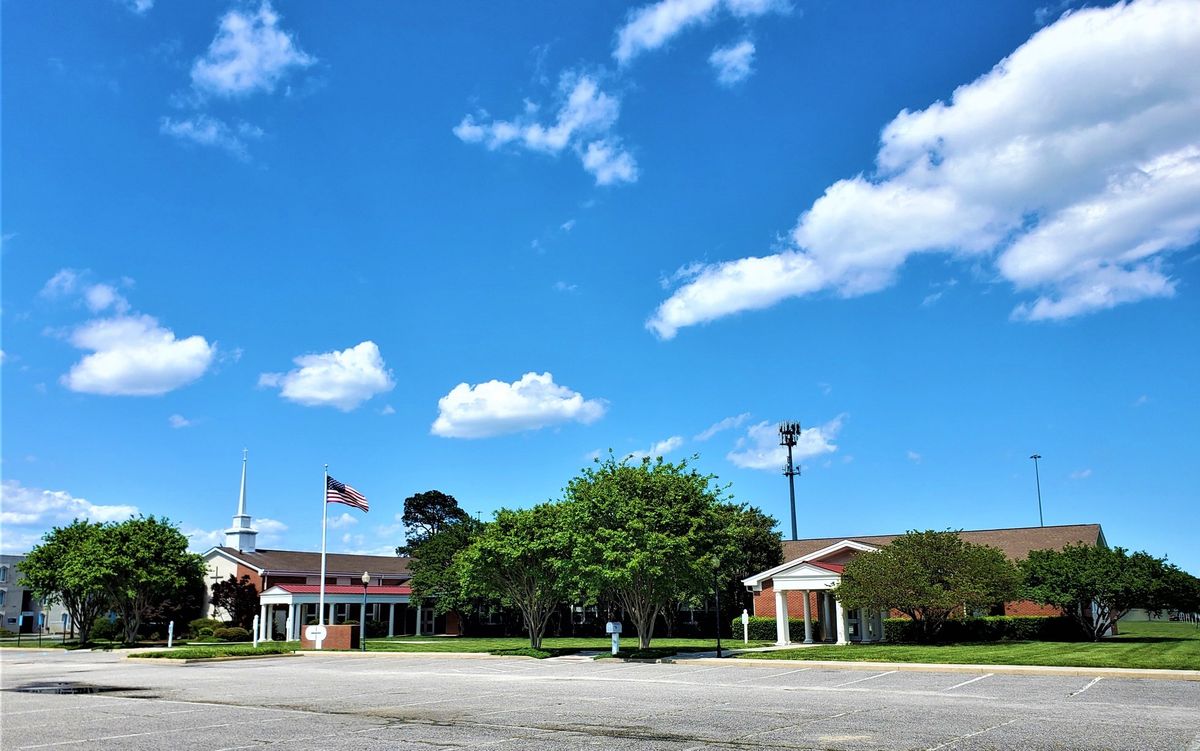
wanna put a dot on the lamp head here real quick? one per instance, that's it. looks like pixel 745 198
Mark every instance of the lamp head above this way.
pixel 366 578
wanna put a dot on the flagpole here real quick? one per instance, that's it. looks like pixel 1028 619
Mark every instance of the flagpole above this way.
pixel 324 517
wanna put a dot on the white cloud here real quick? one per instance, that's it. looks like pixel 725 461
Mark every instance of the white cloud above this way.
pixel 200 540
pixel 583 122
pixel 387 410
pixel 64 282
pixel 495 407
pixel 345 520
pixel 567 226
pixel 727 424
pixel 209 131
pixel 913 456
pixel 267 526
pixel 734 63
pixel 760 449
pixel 1081 474
pixel 139 7
pixel 661 448
pixel 343 379
pixel 249 53
pixel 132 355
pixel 98 297
pixel 561 286
pixel 1073 166
pixel 179 421
pixel 2 356
pixel 1141 401
pixel 22 506
pixel 651 26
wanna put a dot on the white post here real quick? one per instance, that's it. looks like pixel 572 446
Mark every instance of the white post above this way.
pixel 783 633
pixel 418 619
pixel 264 623
pixel 290 626
pixel 392 619
pixel 745 626
pixel 170 634
pixel 827 622
pixel 807 619
pixel 254 626
pixel 324 518
pixel 841 621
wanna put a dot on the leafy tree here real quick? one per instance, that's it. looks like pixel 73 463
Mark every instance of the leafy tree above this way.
pixel 927 576
pixel 642 534
pixel 61 569
pixel 749 544
pixel 238 598
pixel 426 514
pixel 1175 590
pixel 144 561
pixel 1097 585
pixel 521 559
pixel 433 576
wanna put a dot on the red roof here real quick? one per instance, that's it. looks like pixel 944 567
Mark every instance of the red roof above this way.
pixel 343 589
pixel 834 567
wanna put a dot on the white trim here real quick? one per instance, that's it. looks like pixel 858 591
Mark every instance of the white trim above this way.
pixel 755 582
pixel 229 557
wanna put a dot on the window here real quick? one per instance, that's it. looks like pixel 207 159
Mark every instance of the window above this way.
pixel 3 594
pixel 3 573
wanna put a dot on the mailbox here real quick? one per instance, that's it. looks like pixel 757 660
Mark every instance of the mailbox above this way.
pixel 612 627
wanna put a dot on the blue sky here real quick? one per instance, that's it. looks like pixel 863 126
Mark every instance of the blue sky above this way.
pixel 465 247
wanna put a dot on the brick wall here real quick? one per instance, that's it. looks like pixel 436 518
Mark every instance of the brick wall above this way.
pixel 1025 607
pixel 764 603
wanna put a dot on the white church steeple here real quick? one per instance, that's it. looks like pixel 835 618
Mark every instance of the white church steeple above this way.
pixel 240 534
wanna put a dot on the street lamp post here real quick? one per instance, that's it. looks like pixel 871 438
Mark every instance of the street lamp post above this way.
pixel 716 564
pixel 788 433
pixel 1038 479
pixel 362 615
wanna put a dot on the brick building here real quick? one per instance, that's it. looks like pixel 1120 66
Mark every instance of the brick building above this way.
pixel 288 582
pixel 813 567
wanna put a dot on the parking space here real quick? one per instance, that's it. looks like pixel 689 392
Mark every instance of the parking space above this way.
pixel 395 701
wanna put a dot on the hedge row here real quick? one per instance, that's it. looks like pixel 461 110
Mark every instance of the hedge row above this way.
pixel 762 628
pixel 990 628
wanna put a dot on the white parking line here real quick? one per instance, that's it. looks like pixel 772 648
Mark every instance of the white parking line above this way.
pixel 868 678
pixel 1085 688
pixel 952 741
pixel 773 675
pixel 964 683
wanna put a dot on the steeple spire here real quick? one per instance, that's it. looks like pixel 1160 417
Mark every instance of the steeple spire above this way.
pixel 240 535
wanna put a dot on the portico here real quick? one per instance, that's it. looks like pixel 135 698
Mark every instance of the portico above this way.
pixel 814 577
pixel 287 608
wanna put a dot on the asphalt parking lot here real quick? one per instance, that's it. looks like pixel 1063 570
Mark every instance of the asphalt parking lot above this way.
pixel 424 702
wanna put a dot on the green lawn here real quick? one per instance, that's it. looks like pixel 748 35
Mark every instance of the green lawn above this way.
pixel 1141 645
pixel 558 645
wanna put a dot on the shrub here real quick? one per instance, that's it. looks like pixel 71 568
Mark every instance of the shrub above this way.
pixel 539 654
pixel 232 633
pixel 991 628
pixel 376 629
pixel 205 639
pixel 204 626
pixel 106 629
pixel 762 628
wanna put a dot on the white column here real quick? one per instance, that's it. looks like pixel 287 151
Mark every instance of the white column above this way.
pixel 392 619
pixel 263 629
pixel 783 632
pixel 291 622
pixel 826 617
pixel 841 621
pixel 807 619
pixel 418 619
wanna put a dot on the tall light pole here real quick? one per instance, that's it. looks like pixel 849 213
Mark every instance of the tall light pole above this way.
pixel 788 433
pixel 362 616
pixel 1038 479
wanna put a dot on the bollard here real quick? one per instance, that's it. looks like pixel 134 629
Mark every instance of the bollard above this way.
pixel 745 626
pixel 170 634
pixel 255 626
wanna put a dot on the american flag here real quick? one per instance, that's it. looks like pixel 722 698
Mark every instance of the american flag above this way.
pixel 340 492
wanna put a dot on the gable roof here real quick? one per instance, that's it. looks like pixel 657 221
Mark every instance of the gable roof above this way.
pixel 1015 542
pixel 301 561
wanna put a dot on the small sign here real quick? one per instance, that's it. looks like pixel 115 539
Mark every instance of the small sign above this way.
pixel 612 627
pixel 745 618
pixel 315 633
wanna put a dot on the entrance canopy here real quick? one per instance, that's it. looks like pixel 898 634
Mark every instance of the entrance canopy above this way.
pixel 293 603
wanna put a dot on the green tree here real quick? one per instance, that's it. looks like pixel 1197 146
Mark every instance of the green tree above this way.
pixel 521 559
pixel 642 534
pixel 749 544
pixel 434 580
pixel 61 569
pixel 238 598
pixel 927 576
pixel 1096 585
pixel 144 562
pixel 426 514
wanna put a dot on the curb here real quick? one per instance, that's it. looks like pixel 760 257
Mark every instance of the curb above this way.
pixel 933 667
pixel 197 660
pixel 386 653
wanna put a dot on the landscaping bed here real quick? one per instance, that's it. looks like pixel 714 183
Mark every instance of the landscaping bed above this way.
pixel 220 650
